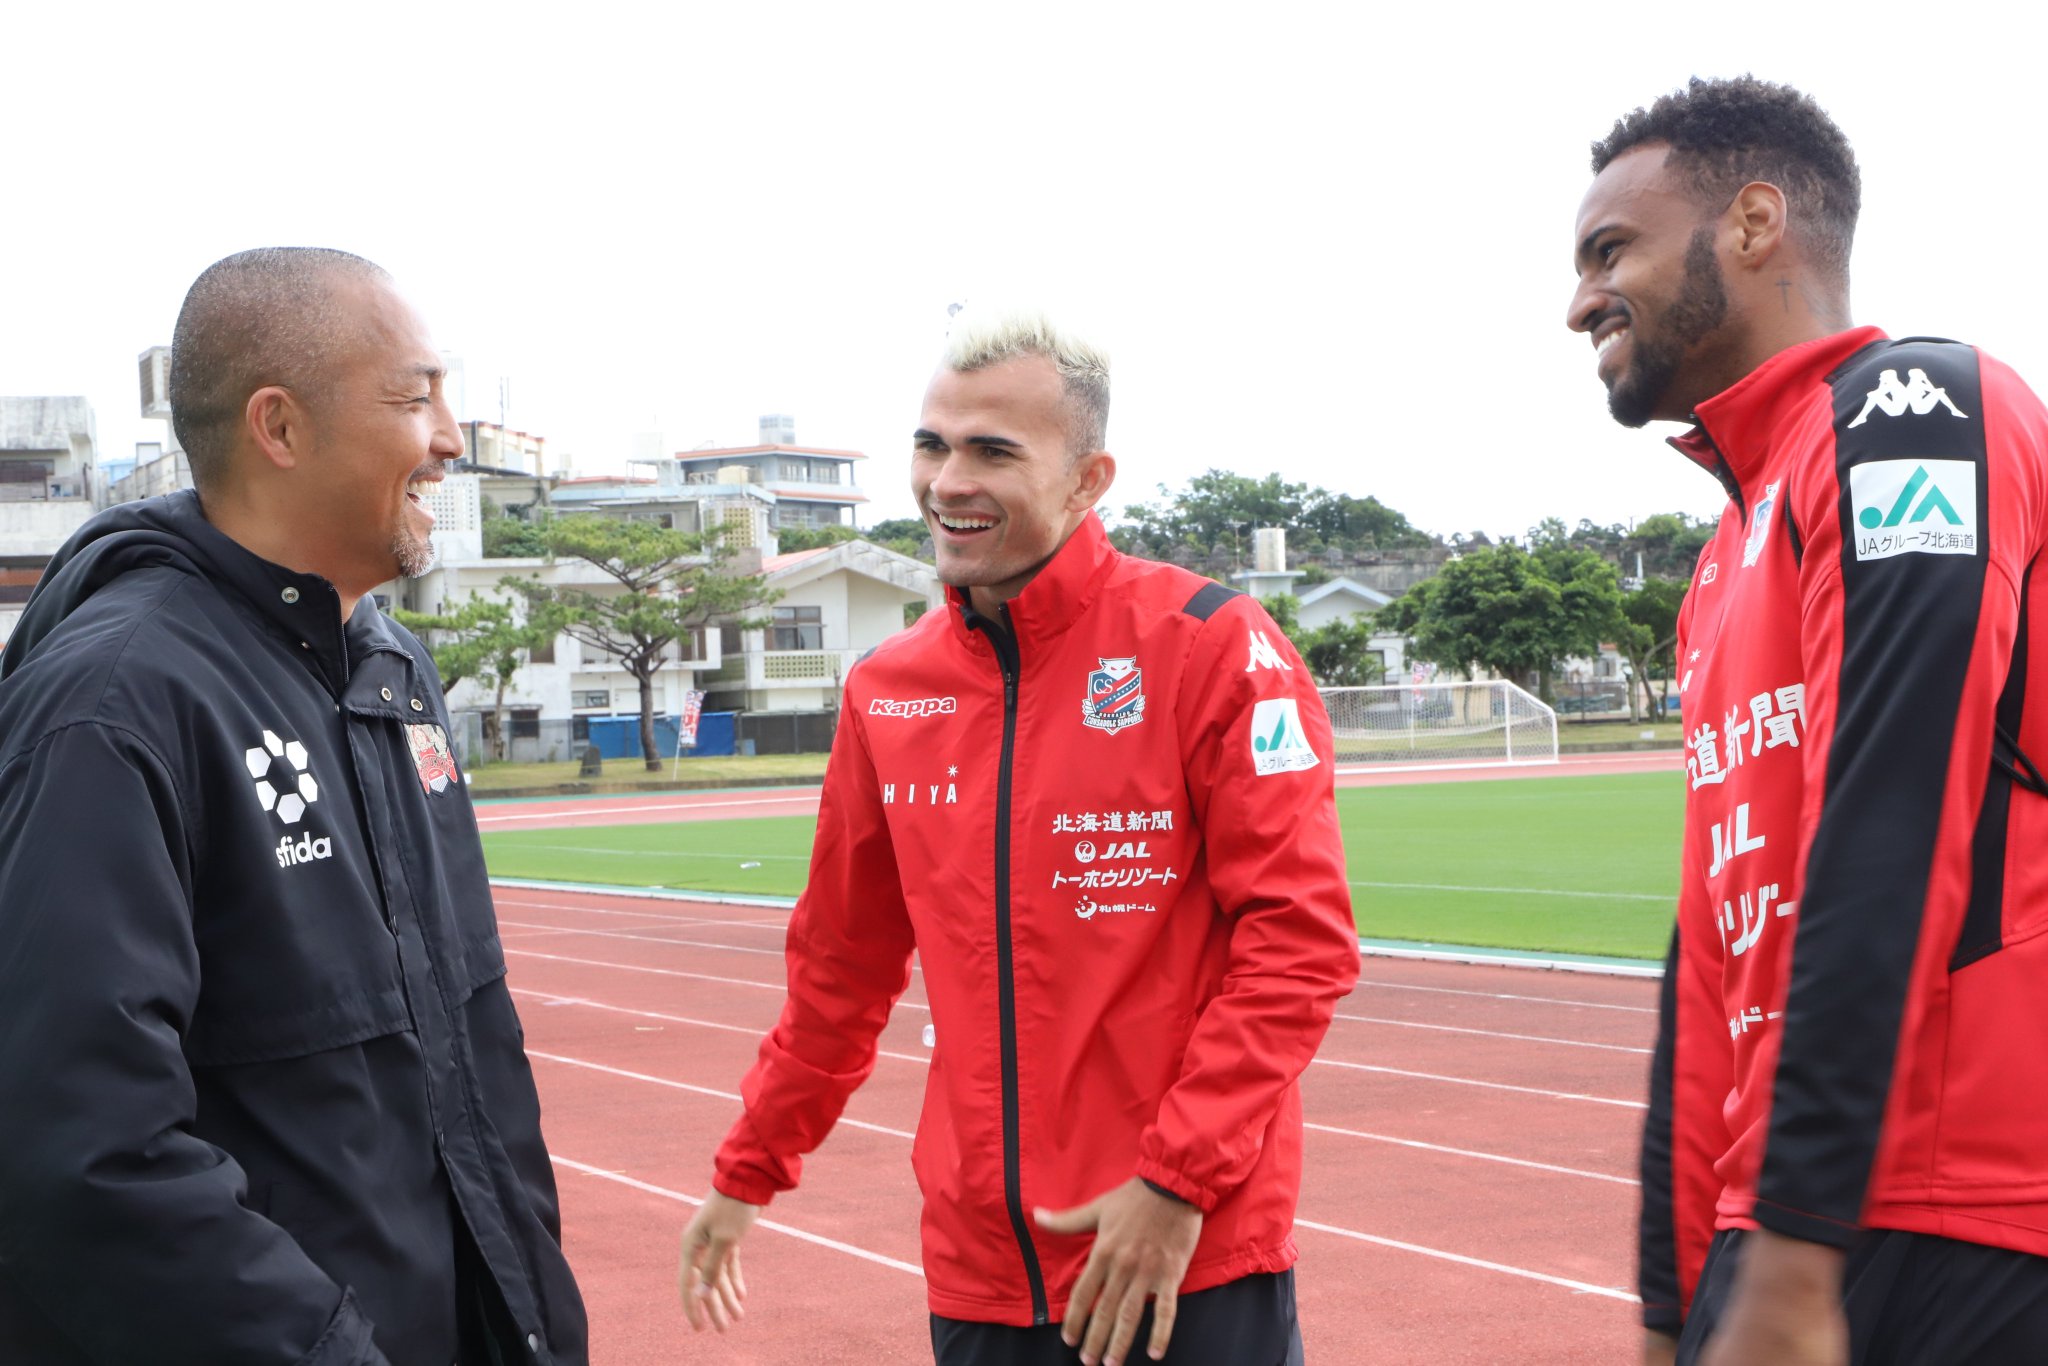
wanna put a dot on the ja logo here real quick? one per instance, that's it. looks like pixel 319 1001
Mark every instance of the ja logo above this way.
pixel 1279 745
pixel 1909 507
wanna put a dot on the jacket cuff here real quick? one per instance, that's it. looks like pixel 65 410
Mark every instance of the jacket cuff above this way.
pixel 346 1340
pixel 1169 1182
pixel 737 1186
pixel 1663 1318
pixel 1797 1223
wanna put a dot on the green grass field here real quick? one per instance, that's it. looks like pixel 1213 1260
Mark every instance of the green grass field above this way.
pixel 1565 865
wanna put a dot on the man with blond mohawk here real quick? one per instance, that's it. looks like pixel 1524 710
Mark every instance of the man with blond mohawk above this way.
pixel 1093 795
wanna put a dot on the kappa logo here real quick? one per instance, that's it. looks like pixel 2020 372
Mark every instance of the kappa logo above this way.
pixel 1914 507
pixel 1116 696
pixel 1264 656
pixel 1279 744
pixel 1918 394
pixel 284 777
pixel 922 706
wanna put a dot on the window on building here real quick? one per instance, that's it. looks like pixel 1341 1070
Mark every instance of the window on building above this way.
pixel 543 653
pixel 798 628
pixel 579 729
pixel 595 697
pixel 526 725
pixel 694 646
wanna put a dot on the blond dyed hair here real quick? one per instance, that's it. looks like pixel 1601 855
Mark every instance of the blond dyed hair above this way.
pixel 979 340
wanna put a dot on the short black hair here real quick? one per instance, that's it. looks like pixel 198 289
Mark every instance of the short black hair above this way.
pixel 1727 133
pixel 257 318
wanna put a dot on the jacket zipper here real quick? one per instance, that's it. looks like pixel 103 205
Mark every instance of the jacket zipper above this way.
pixel 1005 645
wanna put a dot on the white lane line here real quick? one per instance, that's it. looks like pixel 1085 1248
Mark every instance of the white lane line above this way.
pixel 1353 1234
pixel 642 938
pixel 1468 1152
pixel 1670 900
pixel 809 794
pixel 665 1193
pixel 664 917
pixel 1470 1081
pixel 663 853
pixel 697 1090
pixel 1583 1287
pixel 1503 996
pixel 751 1031
pixel 1492 1033
pixel 672 972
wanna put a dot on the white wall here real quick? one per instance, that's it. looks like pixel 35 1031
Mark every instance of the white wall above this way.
pixel 38 528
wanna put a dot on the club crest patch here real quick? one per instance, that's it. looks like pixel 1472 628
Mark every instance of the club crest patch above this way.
pixel 1116 695
pixel 432 757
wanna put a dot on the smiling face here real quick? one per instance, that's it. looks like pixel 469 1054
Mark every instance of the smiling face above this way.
pixel 383 433
pixel 1651 292
pixel 994 478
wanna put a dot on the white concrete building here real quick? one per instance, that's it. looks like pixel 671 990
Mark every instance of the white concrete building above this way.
pixel 50 480
pixel 839 602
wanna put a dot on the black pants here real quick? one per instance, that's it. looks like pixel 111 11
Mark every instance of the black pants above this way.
pixel 1912 1300
pixel 1245 1322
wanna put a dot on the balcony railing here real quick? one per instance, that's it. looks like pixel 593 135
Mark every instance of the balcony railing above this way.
pixel 783 669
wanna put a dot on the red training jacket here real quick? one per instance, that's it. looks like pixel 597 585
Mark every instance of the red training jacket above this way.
pixel 1112 841
pixel 1853 1030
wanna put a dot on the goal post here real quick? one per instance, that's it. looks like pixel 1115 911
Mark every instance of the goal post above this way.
pixel 1459 725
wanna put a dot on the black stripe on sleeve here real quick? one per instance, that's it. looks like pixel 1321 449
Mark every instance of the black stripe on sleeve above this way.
pixel 1909 457
pixel 1983 931
pixel 1657 1226
pixel 1209 600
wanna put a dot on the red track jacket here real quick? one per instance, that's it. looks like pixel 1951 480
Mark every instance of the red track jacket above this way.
pixel 1113 843
pixel 1854 1028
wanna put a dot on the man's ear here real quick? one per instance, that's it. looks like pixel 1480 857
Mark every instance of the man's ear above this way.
pixel 277 425
pixel 1094 473
pixel 1757 217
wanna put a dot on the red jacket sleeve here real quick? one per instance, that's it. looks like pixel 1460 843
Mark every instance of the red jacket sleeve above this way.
pixel 848 959
pixel 1255 746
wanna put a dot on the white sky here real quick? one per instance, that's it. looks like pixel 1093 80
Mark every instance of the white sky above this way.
pixel 1331 241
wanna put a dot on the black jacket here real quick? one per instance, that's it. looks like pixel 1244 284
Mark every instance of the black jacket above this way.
pixel 261 1082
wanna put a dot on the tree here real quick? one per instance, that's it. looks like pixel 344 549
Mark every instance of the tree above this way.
pixel 1219 507
pixel 1649 630
pixel 514 534
pixel 1338 653
pixel 670 585
pixel 1505 609
pixel 814 537
pixel 1670 544
pixel 483 639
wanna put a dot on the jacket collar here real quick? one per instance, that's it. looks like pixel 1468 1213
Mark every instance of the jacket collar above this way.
pixel 1735 431
pixel 1056 596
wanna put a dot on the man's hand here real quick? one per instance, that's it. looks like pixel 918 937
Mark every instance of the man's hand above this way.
pixel 712 1285
pixel 1785 1306
pixel 1659 1349
pixel 1143 1242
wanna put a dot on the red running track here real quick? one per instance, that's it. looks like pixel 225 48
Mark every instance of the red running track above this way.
pixel 727 804
pixel 1469 1196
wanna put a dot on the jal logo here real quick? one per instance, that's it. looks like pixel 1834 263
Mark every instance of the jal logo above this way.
pixel 1279 744
pixel 1084 852
pixel 1914 507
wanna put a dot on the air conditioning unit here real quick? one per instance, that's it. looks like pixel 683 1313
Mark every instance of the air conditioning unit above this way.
pixel 155 365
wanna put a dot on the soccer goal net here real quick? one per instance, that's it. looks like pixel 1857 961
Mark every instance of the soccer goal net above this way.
pixel 1464 724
